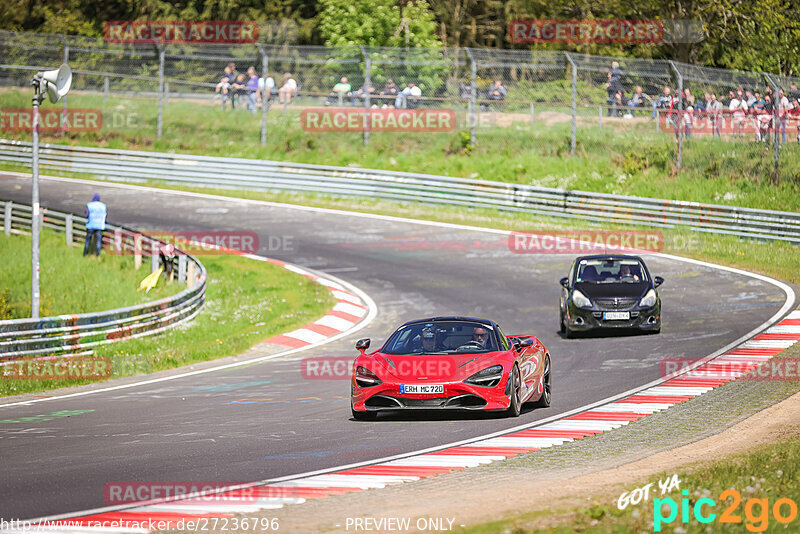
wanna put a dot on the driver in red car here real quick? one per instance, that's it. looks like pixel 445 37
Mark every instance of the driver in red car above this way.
pixel 480 336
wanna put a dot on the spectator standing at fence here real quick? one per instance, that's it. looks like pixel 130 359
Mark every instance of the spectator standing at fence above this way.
pixel 783 111
pixel 714 110
pixel 613 86
pixel 738 109
pixel 287 90
pixel 389 90
pixel 497 92
pixel 225 82
pixel 238 89
pixel 794 93
pixel 251 90
pixel 794 115
pixel 756 110
pixel 688 118
pixel 765 111
pixel 663 101
pixel 96 213
pixel 408 97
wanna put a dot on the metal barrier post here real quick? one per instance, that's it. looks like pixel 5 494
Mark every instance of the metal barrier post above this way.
pixel 105 87
pixel 573 137
pixel 137 251
pixel 680 113
pixel 190 275
pixel 266 93
pixel 181 268
pixel 7 218
pixel 160 89
pixel 68 228
pixel 473 96
pixel 776 124
pixel 153 255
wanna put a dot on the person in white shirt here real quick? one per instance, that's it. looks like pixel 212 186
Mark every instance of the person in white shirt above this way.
pixel 783 113
pixel 409 93
pixel 265 87
pixel 287 90
pixel 738 109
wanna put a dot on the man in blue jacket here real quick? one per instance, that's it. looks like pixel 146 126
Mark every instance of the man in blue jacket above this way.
pixel 96 213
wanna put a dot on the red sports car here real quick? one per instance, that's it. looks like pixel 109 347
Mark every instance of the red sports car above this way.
pixel 450 363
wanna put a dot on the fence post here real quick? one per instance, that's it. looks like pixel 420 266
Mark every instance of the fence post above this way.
pixel 777 125
pixel 573 137
pixel 153 255
pixel 161 58
pixel 64 98
pixel 680 113
pixel 181 268
pixel 190 275
pixel 137 251
pixel 68 228
pixel 265 94
pixel 473 97
pixel 105 87
pixel 367 82
pixel 7 218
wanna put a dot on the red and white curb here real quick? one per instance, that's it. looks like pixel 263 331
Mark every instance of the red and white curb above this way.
pixel 278 493
pixel 350 309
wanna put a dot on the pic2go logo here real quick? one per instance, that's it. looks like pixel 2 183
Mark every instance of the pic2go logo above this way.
pixel 756 511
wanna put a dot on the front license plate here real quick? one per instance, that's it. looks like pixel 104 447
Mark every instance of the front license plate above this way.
pixel 616 316
pixel 422 389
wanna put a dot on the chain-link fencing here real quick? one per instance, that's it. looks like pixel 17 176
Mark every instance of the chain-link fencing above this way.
pixel 685 116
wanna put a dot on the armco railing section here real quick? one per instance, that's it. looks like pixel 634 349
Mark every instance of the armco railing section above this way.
pixel 236 173
pixel 66 334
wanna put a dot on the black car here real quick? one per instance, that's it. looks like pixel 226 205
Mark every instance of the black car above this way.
pixel 610 291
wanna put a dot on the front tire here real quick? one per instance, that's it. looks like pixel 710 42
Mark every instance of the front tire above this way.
pixel 515 406
pixel 364 416
pixel 544 400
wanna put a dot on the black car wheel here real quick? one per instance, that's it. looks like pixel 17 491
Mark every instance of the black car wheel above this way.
pixel 561 326
pixel 515 407
pixel 544 400
pixel 364 416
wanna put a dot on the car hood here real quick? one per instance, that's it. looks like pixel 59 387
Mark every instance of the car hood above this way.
pixel 432 367
pixel 621 290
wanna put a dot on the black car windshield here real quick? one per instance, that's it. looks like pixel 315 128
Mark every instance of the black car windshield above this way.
pixel 442 337
pixel 611 271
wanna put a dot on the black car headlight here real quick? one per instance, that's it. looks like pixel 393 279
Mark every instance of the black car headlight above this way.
pixel 489 377
pixel 649 299
pixel 366 378
pixel 581 300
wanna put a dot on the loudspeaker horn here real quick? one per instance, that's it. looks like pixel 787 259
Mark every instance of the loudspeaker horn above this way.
pixel 57 82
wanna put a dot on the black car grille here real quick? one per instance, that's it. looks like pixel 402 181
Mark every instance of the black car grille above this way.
pixel 616 303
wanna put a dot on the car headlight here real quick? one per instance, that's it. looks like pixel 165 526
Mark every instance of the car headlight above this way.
pixel 581 300
pixel 366 378
pixel 649 300
pixel 489 377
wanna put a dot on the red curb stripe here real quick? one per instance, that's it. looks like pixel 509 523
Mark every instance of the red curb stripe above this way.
pixel 605 416
pixel 326 331
pixel 778 336
pixel 788 322
pixel 695 382
pixel 756 351
pixel 485 451
pixel 344 315
pixel 287 341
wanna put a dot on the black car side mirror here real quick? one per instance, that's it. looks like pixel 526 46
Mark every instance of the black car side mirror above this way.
pixel 524 343
pixel 362 344
pixel 564 282
pixel 657 281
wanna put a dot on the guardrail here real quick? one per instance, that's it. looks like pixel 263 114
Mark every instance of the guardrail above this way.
pixel 237 173
pixel 78 333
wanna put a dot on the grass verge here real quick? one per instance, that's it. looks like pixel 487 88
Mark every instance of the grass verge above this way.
pixel 760 479
pixel 70 283
pixel 247 301
pixel 622 157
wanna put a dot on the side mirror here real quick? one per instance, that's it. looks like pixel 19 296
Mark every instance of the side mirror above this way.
pixel 362 344
pixel 524 343
pixel 564 282
pixel 657 281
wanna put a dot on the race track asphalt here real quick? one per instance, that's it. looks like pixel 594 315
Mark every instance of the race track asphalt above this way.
pixel 265 420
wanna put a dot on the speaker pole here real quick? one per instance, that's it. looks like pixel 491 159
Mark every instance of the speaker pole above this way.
pixel 37 99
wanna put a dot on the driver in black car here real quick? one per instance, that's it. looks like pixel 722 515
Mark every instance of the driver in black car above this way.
pixel 626 273
pixel 480 336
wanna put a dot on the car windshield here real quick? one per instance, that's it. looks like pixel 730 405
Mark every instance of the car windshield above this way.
pixel 611 271
pixel 442 337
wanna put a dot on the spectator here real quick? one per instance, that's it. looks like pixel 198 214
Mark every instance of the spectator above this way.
pixel 727 101
pixel 266 87
pixel 287 90
pixel 251 90
pixel 620 103
pixel 688 99
pixel 714 110
pixel 361 94
pixel 340 90
pixel 755 112
pixel 408 97
pixel 497 92
pixel 238 89
pixel 225 82
pixel 688 117
pixel 662 102
pixel 783 110
pixel 765 110
pixel 166 256
pixel 96 213
pixel 638 98
pixel 738 109
pixel 391 91
pixel 613 86
pixel 794 115
pixel 794 94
